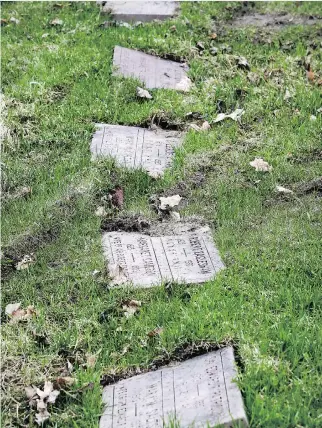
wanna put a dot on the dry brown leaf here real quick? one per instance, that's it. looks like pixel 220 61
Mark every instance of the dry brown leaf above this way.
pixel 100 212
pixel 26 261
pixel 156 332
pixel 143 93
pixel 213 36
pixel 64 381
pixel 166 204
pixel 56 22
pixel 260 165
pixel 16 314
pixel 117 274
pixel 130 307
pixel 90 361
pixel 310 75
pixel 282 189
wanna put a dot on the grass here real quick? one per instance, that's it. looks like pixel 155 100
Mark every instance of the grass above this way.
pixel 267 301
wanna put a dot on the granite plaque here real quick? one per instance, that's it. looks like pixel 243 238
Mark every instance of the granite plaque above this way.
pixel 199 392
pixel 147 261
pixel 154 72
pixel 144 11
pixel 135 147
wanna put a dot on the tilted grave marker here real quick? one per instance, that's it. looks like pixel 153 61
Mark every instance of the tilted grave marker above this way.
pixel 144 11
pixel 135 147
pixel 147 261
pixel 199 392
pixel 154 72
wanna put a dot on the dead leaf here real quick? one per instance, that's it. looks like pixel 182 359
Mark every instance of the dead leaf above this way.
pixel 16 314
pixel 31 392
pixel 14 20
pixel 173 28
pixel 90 361
pixel 56 22
pixel 117 274
pixel 213 36
pixel 204 127
pixel 242 63
pixel 260 165
pixel 310 75
pixel 200 46
pixel 11 308
pixel 287 95
pixel 100 212
pixel 143 93
pixel 26 261
pixel 42 416
pixel 235 115
pixel 281 189
pixel 253 77
pixel 130 307
pixel 4 22
pixel 117 197
pixel 170 202
pixel 184 85
pixel 156 332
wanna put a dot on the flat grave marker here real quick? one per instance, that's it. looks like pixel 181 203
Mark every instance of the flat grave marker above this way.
pixel 199 392
pixel 147 261
pixel 144 11
pixel 135 147
pixel 154 72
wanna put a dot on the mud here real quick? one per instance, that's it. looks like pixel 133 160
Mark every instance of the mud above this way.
pixel 273 21
pixel 152 228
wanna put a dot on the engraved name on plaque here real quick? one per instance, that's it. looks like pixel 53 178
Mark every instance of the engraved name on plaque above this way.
pixel 135 147
pixel 199 392
pixel 148 261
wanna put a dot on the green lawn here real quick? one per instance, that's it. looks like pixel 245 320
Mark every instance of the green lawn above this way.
pixel 57 83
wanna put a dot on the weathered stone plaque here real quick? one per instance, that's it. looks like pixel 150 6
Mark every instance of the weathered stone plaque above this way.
pixel 144 11
pixel 147 261
pixel 136 147
pixel 199 392
pixel 153 71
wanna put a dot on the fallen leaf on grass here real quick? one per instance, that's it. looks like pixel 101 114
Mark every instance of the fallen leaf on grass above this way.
pixel 117 197
pixel 204 127
pixel 64 381
pixel 170 202
pixel 282 189
pixel 242 63
pixel 14 20
pixel 130 307
pixel 155 332
pixel 16 314
pixel 260 165
pixel 4 22
pixel 56 22
pixel 213 36
pixel 184 85
pixel 235 115
pixel 143 93
pixel 42 398
pixel 90 361
pixel 26 261
pixel 117 274
pixel 310 75
pixel 100 212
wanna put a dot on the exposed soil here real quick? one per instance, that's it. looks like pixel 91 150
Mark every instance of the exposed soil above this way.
pixel 273 21
pixel 310 187
pixel 184 352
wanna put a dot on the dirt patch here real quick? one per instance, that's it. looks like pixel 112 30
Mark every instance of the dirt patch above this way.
pixel 310 187
pixel 152 228
pixel 183 352
pixel 273 21
pixel 163 120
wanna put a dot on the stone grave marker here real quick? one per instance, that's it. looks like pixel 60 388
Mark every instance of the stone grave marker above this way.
pixel 147 261
pixel 199 392
pixel 144 11
pixel 135 147
pixel 154 72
